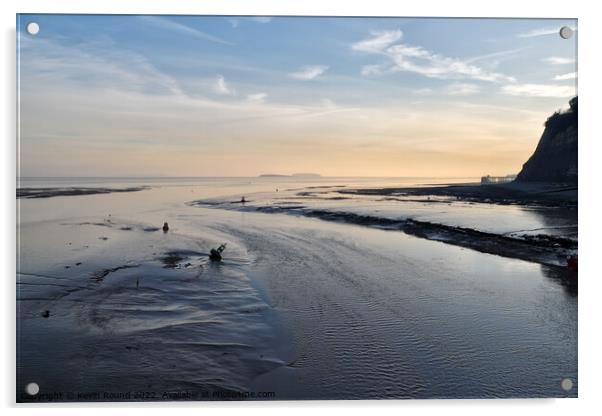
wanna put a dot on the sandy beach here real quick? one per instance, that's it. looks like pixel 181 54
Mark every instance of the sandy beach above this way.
pixel 111 307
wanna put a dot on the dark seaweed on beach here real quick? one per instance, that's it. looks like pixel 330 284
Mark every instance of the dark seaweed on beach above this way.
pixel 171 260
pixel 100 275
pixel 543 249
pixel 175 259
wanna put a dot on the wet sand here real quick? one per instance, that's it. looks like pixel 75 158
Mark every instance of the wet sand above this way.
pixel 402 209
pixel 300 308
pixel 133 313
pixel 54 192
pixel 506 193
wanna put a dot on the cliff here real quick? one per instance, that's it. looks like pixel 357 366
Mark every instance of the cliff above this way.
pixel 555 158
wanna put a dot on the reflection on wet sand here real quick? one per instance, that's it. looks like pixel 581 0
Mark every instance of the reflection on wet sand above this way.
pixel 298 307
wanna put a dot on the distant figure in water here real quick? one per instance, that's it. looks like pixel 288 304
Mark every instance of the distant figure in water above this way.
pixel 137 283
pixel 165 227
pixel 243 200
pixel 216 253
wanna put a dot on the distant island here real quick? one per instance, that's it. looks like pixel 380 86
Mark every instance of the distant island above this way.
pixel 294 175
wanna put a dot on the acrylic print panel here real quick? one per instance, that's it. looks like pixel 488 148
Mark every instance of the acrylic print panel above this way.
pixel 271 208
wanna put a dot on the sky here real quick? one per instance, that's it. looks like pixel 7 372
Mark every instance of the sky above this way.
pixel 243 96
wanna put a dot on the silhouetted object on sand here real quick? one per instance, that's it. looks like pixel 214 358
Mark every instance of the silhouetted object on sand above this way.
pixel 216 253
pixel 243 200
pixel 165 227
pixel 555 158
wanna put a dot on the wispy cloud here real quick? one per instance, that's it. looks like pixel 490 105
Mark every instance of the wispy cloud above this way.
pixel 457 89
pixel 221 87
pixel 499 54
pixel 544 31
pixel 168 24
pixel 559 60
pixel 99 73
pixel 309 72
pixel 378 41
pixel 462 89
pixel 416 59
pixel 539 90
pixel 93 65
pixel 372 70
pixel 563 77
pixel 257 98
